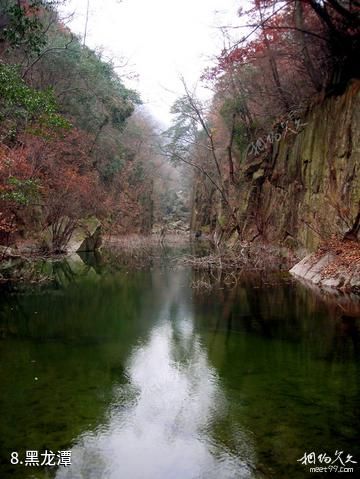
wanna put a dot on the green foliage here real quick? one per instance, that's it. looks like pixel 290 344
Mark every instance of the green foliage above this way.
pixel 137 175
pixel 236 105
pixel 90 92
pixel 47 78
pixel 185 130
pixel 21 192
pixel 23 30
pixel 24 24
pixel 88 87
pixel 14 92
pixel 22 104
pixel 114 166
pixel 241 136
pixel 230 106
pixel 120 115
pixel 185 117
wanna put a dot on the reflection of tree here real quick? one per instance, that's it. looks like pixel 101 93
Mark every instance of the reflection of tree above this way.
pixel 289 366
pixel 182 376
pixel 76 341
pixel 346 341
pixel 266 305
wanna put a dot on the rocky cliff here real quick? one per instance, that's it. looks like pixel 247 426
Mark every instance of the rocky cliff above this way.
pixel 303 188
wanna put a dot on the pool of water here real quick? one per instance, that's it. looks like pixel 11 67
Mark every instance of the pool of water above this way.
pixel 142 377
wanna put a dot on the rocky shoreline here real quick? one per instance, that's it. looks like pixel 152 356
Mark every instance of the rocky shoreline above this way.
pixel 334 267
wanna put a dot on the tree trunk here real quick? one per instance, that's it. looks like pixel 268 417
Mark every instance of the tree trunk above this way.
pixel 229 150
pixel 353 233
pixel 299 22
pixel 273 65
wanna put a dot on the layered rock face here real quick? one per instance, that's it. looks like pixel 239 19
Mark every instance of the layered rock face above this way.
pixel 305 187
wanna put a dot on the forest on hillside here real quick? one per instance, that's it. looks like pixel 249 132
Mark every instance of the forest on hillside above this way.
pixel 73 141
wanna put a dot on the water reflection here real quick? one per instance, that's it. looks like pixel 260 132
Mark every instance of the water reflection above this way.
pixel 142 377
pixel 160 422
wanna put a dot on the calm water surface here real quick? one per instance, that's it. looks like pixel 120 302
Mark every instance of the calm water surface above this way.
pixel 143 377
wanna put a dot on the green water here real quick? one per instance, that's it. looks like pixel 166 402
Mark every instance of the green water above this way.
pixel 142 377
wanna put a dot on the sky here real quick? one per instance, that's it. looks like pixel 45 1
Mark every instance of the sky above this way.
pixel 159 40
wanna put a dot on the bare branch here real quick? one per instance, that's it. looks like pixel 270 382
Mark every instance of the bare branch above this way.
pixel 45 52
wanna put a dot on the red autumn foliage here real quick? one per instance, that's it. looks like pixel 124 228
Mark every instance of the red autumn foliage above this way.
pixel 67 184
pixel 291 50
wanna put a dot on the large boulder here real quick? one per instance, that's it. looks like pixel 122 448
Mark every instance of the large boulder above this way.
pixel 331 270
pixel 86 237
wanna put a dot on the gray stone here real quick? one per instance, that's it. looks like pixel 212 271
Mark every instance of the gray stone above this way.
pixel 332 282
pixel 301 268
pixel 355 280
pixel 317 267
pixel 6 252
pixel 317 278
pixel 86 237
pixel 311 267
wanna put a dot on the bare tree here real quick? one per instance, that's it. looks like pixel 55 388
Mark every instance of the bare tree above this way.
pixel 191 141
